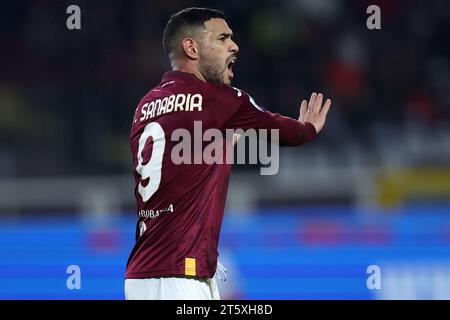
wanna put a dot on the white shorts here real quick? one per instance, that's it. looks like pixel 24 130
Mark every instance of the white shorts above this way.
pixel 171 288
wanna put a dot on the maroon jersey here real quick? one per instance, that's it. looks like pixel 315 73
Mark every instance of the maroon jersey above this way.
pixel 181 206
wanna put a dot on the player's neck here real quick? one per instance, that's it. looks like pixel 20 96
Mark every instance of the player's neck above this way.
pixel 189 68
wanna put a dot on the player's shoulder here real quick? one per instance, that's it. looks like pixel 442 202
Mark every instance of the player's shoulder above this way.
pixel 227 93
pixel 230 94
pixel 154 93
pixel 229 90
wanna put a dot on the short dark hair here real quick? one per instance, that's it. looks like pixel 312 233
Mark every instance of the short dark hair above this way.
pixel 182 22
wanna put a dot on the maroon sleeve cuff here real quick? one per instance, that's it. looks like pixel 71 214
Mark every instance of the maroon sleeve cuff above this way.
pixel 311 133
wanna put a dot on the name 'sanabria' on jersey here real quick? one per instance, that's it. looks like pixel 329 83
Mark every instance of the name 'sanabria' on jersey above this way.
pixel 172 103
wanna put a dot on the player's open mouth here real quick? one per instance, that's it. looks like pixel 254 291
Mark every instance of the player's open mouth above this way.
pixel 230 67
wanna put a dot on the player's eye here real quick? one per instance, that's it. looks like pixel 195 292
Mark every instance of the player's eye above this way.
pixel 224 37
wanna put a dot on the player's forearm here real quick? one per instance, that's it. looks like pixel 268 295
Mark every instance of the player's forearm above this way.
pixel 291 132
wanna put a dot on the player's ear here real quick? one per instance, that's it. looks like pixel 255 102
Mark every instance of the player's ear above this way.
pixel 190 48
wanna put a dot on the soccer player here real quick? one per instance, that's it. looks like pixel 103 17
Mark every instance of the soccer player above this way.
pixel 181 205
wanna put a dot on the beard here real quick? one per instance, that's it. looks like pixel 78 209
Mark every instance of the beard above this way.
pixel 212 71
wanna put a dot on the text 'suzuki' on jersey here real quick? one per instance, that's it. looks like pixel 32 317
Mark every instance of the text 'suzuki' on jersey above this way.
pixel 180 206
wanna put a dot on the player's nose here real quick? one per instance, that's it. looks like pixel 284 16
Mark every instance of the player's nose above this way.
pixel 234 47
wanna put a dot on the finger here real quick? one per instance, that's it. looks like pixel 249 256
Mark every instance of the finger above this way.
pixel 236 137
pixel 303 109
pixel 326 107
pixel 312 100
pixel 318 103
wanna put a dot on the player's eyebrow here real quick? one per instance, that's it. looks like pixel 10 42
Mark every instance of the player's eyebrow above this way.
pixel 226 34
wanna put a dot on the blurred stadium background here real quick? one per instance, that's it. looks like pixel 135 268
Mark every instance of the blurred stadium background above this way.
pixel 374 189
